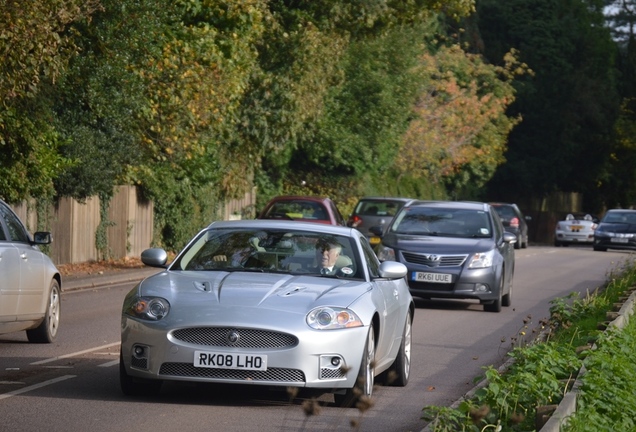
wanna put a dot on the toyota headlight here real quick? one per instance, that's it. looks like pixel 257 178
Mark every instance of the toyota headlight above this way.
pixel 482 260
pixel 386 254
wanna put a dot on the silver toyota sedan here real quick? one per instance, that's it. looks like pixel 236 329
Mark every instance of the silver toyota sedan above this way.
pixel 271 303
pixel 453 250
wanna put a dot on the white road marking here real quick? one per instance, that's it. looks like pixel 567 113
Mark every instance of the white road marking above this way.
pixel 74 354
pixel 35 386
pixel 109 364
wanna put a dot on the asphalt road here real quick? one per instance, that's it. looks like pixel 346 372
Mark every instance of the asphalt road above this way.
pixel 73 383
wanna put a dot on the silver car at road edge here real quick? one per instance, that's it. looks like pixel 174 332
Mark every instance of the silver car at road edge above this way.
pixel 245 303
pixel 30 285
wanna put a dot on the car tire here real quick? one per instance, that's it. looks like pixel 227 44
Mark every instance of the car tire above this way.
pixel 600 249
pixel 496 305
pixel 46 332
pixel 363 387
pixel 506 300
pixel 518 242
pixel 136 386
pixel 399 372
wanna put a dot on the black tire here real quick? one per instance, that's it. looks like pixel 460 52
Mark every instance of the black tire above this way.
pixel 518 242
pixel 400 371
pixel 600 249
pixel 506 300
pixel 366 376
pixel 46 332
pixel 496 305
pixel 136 386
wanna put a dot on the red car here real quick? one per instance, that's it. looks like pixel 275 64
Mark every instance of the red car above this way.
pixel 303 208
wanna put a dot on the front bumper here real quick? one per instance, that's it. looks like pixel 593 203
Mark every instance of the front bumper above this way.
pixel 573 237
pixel 614 243
pixel 477 284
pixel 307 361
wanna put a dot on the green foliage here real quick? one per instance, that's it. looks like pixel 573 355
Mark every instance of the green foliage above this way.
pixel 35 49
pixel 101 234
pixel 606 397
pixel 544 371
pixel 571 53
pixel 368 113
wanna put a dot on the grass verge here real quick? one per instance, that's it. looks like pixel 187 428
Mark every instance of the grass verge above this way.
pixel 522 397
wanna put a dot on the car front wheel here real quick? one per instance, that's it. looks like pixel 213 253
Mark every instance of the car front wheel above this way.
pixel 496 305
pixel 399 372
pixel 363 388
pixel 46 332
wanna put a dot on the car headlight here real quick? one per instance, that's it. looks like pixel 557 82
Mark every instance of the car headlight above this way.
pixel 482 259
pixel 146 308
pixel 386 254
pixel 329 318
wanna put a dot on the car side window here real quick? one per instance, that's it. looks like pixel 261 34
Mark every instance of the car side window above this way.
pixel 373 264
pixel 498 227
pixel 337 214
pixel 17 232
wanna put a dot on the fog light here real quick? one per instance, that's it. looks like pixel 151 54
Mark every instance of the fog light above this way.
pixel 139 351
pixel 335 361
pixel 481 288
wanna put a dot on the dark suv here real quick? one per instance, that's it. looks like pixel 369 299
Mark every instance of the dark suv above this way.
pixel 375 211
pixel 514 222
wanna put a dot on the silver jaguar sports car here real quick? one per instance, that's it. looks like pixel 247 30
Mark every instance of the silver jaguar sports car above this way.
pixel 273 303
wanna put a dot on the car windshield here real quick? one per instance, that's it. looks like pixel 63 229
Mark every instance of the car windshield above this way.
pixel 442 222
pixel 270 251
pixel 505 212
pixel 297 209
pixel 620 217
pixel 377 208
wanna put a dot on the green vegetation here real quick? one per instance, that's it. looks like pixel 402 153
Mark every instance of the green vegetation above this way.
pixel 198 101
pixel 607 400
pixel 541 372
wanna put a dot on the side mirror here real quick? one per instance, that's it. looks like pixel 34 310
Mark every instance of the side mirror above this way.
pixel 509 237
pixel 154 257
pixel 392 270
pixel 42 238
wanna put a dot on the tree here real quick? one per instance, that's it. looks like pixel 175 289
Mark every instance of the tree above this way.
pixel 459 133
pixel 35 48
pixel 568 106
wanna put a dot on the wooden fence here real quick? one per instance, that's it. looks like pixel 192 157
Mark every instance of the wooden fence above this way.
pixel 73 224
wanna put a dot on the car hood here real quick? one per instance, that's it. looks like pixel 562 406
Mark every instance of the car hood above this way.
pixel 246 291
pixel 440 245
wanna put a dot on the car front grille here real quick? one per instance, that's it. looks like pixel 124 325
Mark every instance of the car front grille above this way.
pixel 269 375
pixel 433 260
pixel 235 337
